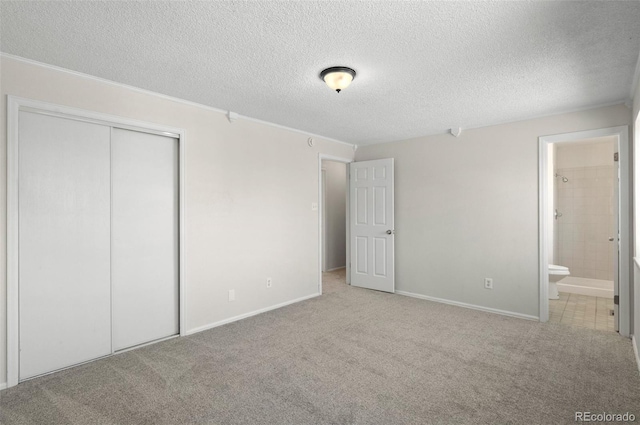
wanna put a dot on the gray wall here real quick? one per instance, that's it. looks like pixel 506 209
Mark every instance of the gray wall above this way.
pixel 467 208
pixel 335 208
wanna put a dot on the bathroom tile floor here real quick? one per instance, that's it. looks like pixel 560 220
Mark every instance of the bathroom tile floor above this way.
pixel 582 310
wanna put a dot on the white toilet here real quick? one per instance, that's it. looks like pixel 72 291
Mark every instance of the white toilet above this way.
pixel 556 273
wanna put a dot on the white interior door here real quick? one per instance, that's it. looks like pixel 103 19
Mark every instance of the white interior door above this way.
pixel 372 224
pixel 64 220
pixel 144 236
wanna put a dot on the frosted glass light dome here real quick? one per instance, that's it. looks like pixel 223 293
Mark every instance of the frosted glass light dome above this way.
pixel 338 77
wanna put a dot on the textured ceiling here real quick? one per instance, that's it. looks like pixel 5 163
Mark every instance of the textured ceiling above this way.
pixel 423 67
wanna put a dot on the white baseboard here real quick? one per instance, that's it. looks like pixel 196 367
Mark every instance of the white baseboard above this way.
pixel 471 306
pixel 251 313
pixel 634 342
pixel 3 386
pixel 336 268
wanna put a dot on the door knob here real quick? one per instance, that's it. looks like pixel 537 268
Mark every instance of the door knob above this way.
pixel 610 239
pixel 391 232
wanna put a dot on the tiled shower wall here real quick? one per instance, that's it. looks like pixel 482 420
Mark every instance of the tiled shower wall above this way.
pixel 586 202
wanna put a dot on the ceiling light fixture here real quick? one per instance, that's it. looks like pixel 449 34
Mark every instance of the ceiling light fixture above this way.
pixel 338 77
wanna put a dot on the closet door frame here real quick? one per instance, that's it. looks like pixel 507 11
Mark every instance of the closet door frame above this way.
pixel 14 106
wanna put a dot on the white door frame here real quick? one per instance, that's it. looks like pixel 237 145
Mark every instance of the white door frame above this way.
pixel 321 157
pixel 14 106
pixel 323 218
pixel 624 213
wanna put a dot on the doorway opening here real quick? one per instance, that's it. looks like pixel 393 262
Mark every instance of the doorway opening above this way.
pixel 585 233
pixel 333 223
pixel 584 279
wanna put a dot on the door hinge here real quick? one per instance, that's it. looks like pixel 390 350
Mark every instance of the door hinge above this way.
pixel 615 157
pixel 616 299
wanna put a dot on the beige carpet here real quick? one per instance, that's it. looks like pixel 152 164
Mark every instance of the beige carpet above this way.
pixel 350 356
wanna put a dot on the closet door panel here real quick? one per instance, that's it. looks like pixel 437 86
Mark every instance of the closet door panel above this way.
pixel 64 237
pixel 144 237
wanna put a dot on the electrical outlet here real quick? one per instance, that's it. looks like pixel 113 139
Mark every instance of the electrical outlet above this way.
pixel 232 294
pixel 488 283
pixel 314 206
pixel 268 282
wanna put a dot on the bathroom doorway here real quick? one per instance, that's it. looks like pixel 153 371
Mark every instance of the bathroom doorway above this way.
pixel 583 176
pixel 585 232
pixel 333 219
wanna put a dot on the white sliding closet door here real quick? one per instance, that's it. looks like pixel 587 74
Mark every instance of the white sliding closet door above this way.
pixel 64 231
pixel 144 250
